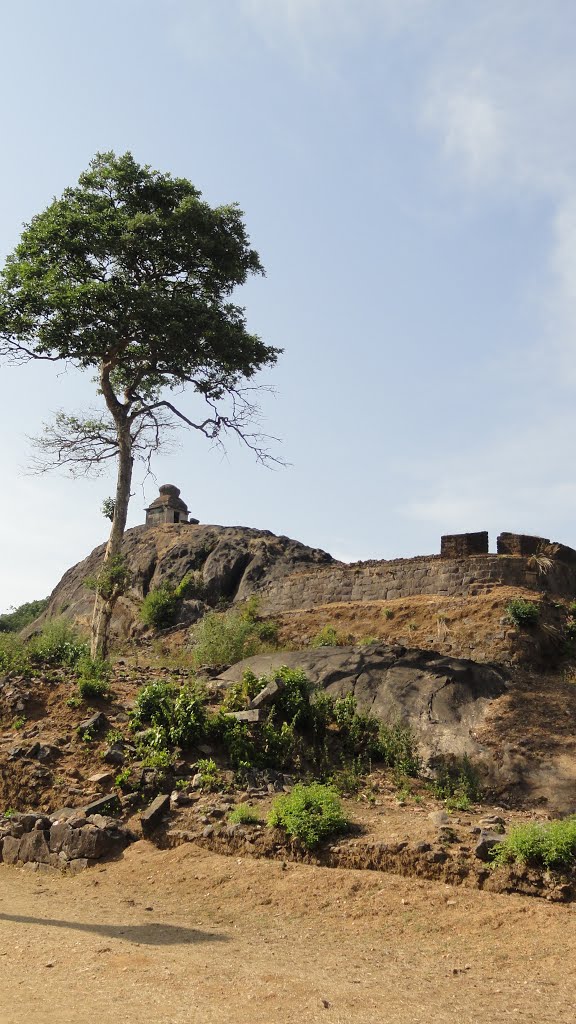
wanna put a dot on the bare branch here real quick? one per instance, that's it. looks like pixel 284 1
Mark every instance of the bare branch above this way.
pixel 84 446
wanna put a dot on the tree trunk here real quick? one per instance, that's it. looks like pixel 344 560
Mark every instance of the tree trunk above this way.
pixel 104 606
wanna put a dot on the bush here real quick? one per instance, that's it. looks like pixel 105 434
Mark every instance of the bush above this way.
pixel 225 638
pixel 159 608
pixel 14 655
pixel 16 619
pixel 93 676
pixel 177 714
pixel 239 695
pixel 112 580
pixel 329 637
pixel 210 777
pixel 58 644
pixel 522 613
pixel 191 586
pixel 550 844
pixel 243 815
pixel 308 813
pixel 397 749
pixel 90 689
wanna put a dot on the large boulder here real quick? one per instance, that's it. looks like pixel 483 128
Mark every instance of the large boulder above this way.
pixel 232 561
pixel 444 700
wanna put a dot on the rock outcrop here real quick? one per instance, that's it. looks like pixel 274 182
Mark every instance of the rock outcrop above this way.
pixel 443 700
pixel 69 840
pixel 232 561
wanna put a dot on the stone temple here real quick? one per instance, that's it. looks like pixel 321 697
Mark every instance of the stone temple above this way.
pixel 168 507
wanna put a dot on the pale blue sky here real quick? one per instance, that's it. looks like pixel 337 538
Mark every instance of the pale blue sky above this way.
pixel 407 171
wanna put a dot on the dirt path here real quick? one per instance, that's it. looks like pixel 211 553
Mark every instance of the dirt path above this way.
pixel 185 936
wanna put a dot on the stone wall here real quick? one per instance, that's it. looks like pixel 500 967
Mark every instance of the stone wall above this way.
pixel 406 577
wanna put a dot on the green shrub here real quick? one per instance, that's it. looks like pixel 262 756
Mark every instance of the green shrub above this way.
pixel 239 695
pixel 225 638
pixel 16 619
pixel 177 714
pixel 191 586
pixel 124 780
pixel 14 655
pixel 243 815
pixel 549 844
pixel 159 759
pixel 522 613
pixel 159 608
pixel 329 637
pixel 93 676
pixel 457 782
pixel 398 750
pixel 309 813
pixel 91 689
pixel 112 580
pixel 58 644
pixel 210 777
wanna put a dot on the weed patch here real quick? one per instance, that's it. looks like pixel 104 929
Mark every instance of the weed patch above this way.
pixel 548 844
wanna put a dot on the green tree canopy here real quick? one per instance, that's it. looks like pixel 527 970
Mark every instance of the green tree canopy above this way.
pixel 130 274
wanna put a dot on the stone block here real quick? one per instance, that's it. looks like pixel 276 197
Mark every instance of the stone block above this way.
pixel 10 850
pixel 104 805
pixel 250 715
pixel 267 695
pixel 461 545
pixel 520 544
pixel 151 817
pixel 34 847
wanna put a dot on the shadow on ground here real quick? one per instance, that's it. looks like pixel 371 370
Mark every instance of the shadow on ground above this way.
pixel 152 934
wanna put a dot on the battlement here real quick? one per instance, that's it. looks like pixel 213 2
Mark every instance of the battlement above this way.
pixel 463 568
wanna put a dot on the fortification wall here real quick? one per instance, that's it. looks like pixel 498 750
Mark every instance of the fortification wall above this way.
pixel 406 577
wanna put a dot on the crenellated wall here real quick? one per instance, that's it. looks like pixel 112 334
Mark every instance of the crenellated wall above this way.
pixel 406 577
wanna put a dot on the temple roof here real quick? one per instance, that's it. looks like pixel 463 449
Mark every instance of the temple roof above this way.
pixel 169 497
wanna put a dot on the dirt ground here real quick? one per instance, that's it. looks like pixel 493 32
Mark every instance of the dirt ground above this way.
pixel 185 936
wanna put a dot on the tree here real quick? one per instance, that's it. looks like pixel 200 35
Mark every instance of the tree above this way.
pixel 130 274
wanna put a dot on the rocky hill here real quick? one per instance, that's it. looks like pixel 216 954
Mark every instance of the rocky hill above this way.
pixel 233 561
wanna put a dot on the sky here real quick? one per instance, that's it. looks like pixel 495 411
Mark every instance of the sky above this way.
pixel 407 170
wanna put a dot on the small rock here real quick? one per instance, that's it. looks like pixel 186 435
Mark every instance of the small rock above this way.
pixel 439 818
pixel 486 843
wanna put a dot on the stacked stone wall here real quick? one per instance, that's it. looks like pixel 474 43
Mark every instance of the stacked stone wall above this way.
pixel 407 577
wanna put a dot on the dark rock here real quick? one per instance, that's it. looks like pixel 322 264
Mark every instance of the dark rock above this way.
pixel 44 752
pixel 27 820
pixel 59 836
pixel 245 716
pixel 487 842
pixel 93 724
pixel 268 694
pixel 63 812
pixel 444 700
pixel 42 824
pixel 234 561
pixel 80 864
pixel 151 817
pixel 89 842
pixel 34 847
pixel 104 805
pixel 10 850
pixel 114 754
